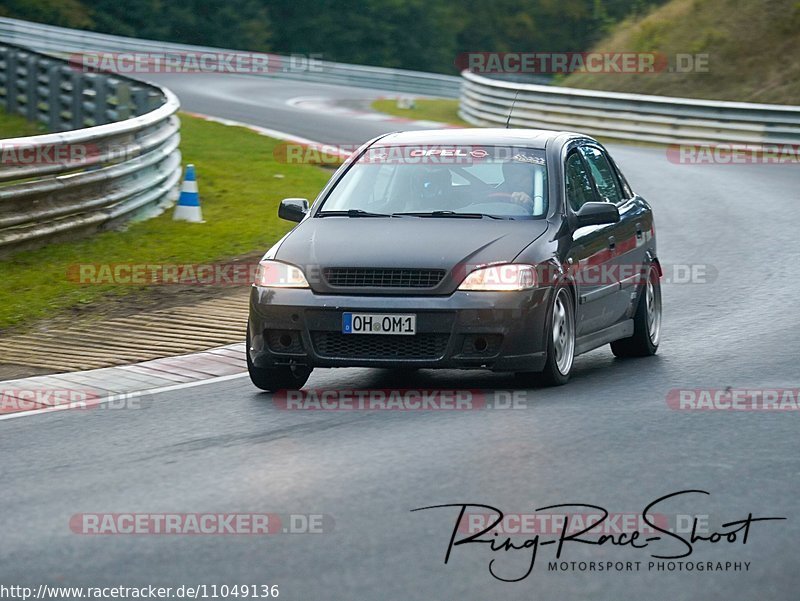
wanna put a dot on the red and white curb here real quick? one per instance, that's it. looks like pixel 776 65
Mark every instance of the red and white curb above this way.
pixel 98 387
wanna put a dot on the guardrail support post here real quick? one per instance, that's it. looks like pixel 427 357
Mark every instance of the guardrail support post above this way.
pixel 54 100
pixel 4 54
pixel 140 101
pixel 123 95
pixel 11 81
pixel 32 83
pixel 76 110
pixel 99 98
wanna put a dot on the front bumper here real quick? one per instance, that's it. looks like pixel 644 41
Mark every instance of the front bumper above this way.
pixel 502 331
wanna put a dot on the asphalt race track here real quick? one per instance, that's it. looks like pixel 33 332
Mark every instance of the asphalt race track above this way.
pixel 608 438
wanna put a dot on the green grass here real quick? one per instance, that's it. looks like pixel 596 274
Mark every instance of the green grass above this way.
pixel 750 46
pixel 14 126
pixel 439 109
pixel 239 194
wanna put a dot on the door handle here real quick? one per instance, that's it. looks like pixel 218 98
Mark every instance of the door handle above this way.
pixel 612 242
pixel 638 231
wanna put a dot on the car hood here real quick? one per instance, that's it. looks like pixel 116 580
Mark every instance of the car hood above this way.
pixel 455 245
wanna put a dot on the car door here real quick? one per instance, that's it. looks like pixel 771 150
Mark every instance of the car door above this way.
pixel 627 249
pixel 590 256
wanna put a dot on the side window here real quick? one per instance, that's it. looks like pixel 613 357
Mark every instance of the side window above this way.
pixel 579 187
pixel 603 173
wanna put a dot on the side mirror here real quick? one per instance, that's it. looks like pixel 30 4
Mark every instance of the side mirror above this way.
pixel 293 209
pixel 597 213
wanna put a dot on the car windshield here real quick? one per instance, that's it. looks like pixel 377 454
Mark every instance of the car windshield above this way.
pixel 443 181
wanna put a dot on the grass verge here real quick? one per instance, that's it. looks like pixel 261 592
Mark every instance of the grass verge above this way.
pixel 747 50
pixel 240 186
pixel 443 110
pixel 14 126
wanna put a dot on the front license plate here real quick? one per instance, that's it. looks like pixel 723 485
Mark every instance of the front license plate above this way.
pixel 379 323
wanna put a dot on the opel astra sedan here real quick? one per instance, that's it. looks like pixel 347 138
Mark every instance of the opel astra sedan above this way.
pixel 508 250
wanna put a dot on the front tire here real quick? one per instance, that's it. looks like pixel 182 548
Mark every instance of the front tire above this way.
pixel 271 379
pixel 646 322
pixel 561 339
pixel 560 334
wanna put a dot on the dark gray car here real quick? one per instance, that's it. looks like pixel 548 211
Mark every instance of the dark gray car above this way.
pixel 510 250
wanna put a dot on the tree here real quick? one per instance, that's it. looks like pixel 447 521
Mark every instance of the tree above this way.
pixel 66 13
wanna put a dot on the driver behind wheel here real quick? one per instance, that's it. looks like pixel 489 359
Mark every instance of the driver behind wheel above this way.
pixel 517 184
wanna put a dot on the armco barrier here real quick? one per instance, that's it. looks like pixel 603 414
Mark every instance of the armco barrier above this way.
pixel 113 154
pixel 630 117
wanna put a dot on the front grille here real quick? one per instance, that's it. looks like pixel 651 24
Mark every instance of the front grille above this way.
pixel 379 346
pixel 369 277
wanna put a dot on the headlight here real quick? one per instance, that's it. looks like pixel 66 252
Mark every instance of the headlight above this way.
pixel 274 274
pixel 500 278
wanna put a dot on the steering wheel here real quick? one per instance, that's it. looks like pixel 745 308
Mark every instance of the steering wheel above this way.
pixel 507 195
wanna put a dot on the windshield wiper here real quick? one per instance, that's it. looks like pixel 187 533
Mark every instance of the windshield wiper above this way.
pixel 350 213
pixel 448 214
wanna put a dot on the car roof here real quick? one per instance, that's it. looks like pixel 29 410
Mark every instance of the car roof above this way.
pixel 531 138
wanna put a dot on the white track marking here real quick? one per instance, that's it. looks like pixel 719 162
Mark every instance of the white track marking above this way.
pixel 115 397
pixel 328 105
pixel 264 131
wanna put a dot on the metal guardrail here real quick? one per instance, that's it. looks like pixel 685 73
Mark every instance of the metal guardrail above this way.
pixel 118 161
pixel 59 40
pixel 629 117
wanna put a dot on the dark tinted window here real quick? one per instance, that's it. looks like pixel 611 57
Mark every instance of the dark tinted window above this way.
pixel 603 173
pixel 579 187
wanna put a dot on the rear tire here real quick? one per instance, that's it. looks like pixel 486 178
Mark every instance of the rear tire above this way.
pixel 271 379
pixel 646 322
